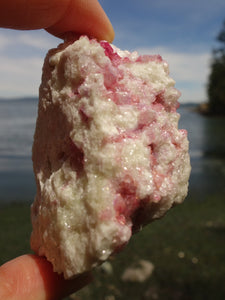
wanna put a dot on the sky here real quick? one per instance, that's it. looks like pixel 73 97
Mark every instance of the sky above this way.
pixel 182 32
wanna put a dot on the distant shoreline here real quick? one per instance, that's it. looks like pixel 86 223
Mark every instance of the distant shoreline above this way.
pixel 204 109
pixel 21 99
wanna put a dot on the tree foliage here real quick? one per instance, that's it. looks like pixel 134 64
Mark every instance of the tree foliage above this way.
pixel 216 83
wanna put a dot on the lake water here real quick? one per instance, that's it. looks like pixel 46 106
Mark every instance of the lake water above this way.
pixel 17 123
pixel 207 151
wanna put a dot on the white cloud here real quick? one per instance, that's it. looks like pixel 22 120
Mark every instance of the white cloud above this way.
pixel 21 59
pixel 189 70
pixel 184 66
pixel 40 41
pixel 36 39
pixel 20 77
pixel 4 41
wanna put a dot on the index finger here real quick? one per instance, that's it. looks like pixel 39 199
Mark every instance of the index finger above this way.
pixel 57 16
pixel 31 277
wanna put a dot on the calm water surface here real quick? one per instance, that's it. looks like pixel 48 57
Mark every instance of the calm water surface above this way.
pixel 207 151
pixel 17 123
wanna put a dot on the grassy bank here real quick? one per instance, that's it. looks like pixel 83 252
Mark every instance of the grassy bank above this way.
pixel 186 248
pixel 15 228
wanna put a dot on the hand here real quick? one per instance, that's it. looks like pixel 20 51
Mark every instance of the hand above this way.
pixel 57 17
pixel 30 277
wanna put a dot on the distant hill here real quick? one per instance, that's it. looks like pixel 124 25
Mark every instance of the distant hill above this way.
pixel 33 98
pixel 20 99
pixel 189 104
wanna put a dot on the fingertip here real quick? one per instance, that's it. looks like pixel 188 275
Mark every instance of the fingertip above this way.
pixel 110 35
pixel 54 285
pixel 32 277
pixel 84 18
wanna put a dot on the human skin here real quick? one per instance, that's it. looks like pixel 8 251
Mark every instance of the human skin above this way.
pixel 57 17
pixel 30 277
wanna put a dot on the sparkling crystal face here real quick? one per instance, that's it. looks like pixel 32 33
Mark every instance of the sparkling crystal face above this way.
pixel 108 155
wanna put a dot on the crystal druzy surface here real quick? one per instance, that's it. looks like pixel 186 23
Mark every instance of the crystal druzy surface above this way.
pixel 108 155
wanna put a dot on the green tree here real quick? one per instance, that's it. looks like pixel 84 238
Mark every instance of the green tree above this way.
pixel 216 83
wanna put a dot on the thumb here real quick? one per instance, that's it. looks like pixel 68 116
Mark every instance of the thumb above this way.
pixel 84 17
pixel 30 277
pixel 57 17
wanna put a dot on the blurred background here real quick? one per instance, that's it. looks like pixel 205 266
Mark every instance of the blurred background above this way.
pixel 186 248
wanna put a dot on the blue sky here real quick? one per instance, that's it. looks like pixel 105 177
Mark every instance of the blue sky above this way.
pixel 183 32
